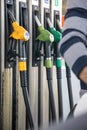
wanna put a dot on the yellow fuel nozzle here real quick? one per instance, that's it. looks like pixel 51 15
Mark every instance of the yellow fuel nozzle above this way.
pixel 19 32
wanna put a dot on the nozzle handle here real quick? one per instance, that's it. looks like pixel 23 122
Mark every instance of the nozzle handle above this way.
pixel 49 23
pixel 37 20
pixel 11 16
pixel 58 23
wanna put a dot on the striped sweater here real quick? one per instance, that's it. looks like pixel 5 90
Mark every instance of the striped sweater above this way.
pixel 73 45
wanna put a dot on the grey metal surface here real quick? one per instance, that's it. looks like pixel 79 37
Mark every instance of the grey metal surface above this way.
pixel 7 100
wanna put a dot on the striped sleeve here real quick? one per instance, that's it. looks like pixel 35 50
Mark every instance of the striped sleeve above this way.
pixel 74 38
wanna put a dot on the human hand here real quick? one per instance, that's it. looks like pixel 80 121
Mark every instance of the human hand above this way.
pixel 83 75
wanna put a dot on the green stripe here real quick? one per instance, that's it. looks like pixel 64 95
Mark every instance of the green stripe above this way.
pixel 48 63
pixel 59 63
pixel 56 2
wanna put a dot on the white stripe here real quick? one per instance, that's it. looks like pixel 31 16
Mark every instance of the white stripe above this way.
pixel 76 23
pixel 75 52
pixel 69 35
pixel 77 3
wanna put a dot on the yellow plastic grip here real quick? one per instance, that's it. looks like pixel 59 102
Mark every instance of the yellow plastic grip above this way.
pixel 22 66
pixel 19 32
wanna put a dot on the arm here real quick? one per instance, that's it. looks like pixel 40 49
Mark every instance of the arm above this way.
pixel 73 43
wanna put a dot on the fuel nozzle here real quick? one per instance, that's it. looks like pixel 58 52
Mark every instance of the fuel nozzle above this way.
pixel 57 34
pixel 19 33
pixel 44 35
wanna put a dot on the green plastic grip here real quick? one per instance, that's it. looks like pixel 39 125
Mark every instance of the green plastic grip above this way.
pixel 44 35
pixel 57 35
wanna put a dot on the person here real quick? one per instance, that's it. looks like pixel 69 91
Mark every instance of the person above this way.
pixel 73 45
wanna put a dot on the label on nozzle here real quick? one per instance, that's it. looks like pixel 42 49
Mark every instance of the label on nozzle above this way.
pixel 26 36
pixel 51 38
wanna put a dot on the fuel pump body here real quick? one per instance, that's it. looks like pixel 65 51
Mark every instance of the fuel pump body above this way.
pixel 47 15
pixel 22 19
pixel 8 71
pixel 56 17
pixel 58 64
pixel 1 60
pixel 35 44
pixel 9 5
pixel 48 55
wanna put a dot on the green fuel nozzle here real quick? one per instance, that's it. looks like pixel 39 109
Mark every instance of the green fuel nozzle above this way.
pixel 57 37
pixel 19 32
pixel 57 34
pixel 44 35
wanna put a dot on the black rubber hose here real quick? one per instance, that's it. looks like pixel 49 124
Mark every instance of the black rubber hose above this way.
pixel 27 104
pixel 51 95
pixel 60 100
pixel 69 85
pixel 51 99
pixel 39 93
pixel 59 80
pixel 47 52
pixel 24 84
